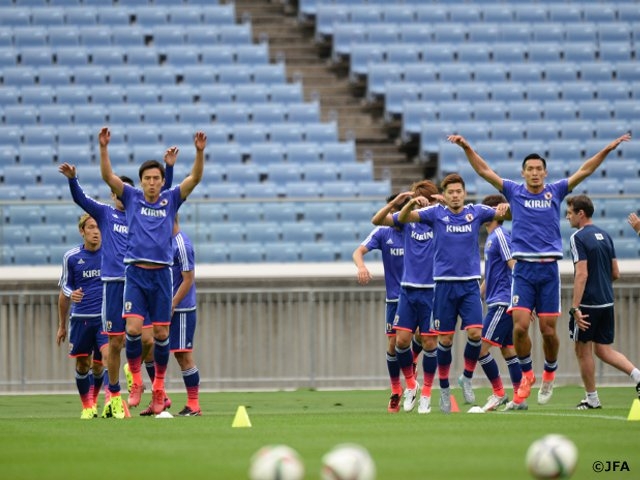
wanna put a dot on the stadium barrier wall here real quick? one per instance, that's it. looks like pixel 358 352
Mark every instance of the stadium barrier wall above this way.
pixel 277 326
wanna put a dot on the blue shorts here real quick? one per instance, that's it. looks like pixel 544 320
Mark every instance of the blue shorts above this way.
pixel 148 293
pixel 182 331
pixel 601 330
pixel 536 286
pixel 112 293
pixel 497 327
pixel 86 336
pixel 414 310
pixel 453 299
pixel 391 309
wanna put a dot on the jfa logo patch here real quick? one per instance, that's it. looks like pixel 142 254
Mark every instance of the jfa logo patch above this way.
pixel 515 300
pixel 128 306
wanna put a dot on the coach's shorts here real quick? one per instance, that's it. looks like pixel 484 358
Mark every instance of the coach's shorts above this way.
pixel 148 293
pixel 390 309
pixel 536 286
pixel 453 299
pixel 85 335
pixel 182 331
pixel 414 309
pixel 601 330
pixel 497 327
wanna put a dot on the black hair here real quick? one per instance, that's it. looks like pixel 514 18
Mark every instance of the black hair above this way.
pixel 127 180
pixel 534 156
pixel 151 164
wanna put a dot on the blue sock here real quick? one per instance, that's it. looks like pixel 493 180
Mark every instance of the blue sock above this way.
pixel 515 370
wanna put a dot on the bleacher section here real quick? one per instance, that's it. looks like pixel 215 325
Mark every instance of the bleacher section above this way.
pixel 156 72
pixel 557 78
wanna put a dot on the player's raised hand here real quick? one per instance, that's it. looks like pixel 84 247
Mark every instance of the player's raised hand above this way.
pixel 104 136
pixel 200 140
pixel 67 170
pixel 624 138
pixel 171 155
pixel 458 140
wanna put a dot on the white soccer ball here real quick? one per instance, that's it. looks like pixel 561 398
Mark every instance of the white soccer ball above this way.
pixel 276 462
pixel 348 461
pixel 552 456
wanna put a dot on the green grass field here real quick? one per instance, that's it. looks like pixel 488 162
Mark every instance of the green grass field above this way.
pixel 42 436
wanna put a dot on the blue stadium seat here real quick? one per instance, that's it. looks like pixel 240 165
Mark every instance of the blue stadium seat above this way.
pixel 248 93
pixel 490 111
pixel 252 54
pixel 262 232
pixel 165 35
pixel 526 110
pixel 356 171
pixel 128 36
pixel 11 192
pixel 384 32
pixel 542 130
pixel 186 15
pixel 320 172
pixel 177 94
pixel 317 252
pixel 476 91
pixel 592 110
pixel 417 32
pixel 286 92
pixel 577 129
pixel 302 152
pixel 321 132
pixel 229 113
pixel 622 169
pixel 143 56
pixel 35 155
pixel 242 173
pixel 29 36
pixel 279 212
pixel 596 71
pixel 273 73
pixel 54 76
pixel 508 52
pixel 616 51
pixel 421 73
pixel 302 189
pixel 42 192
pixel 225 190
pixel 247 133
pixel 35 56
pixel 561 71
pixel 36 95
pixel 269 112
pixel 235 34
pixel 281 252
pixel 490 72
pixel 626 248
pixel 545 91
pixel 80 15
pixel 559 110
pixel 223 14
pixel 30 255
pixel 579 91
pixel 19 76
pixel 247 252
pixel 401 52
pixel 268 153
pixel 374 188
pixel 338 152
pixel 339 189
pixel 41 234
pixel 227 232
pixel 23 215
pixel 628 71
pixel 71 56
pixel 16 16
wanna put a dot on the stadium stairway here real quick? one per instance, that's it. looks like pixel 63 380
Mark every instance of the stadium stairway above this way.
pixel 276 22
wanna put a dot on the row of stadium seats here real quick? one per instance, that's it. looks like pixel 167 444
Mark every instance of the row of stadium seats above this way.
pixel 190 73
pixel 70 13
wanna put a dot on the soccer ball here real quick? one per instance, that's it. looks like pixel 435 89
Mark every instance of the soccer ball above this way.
pixel 348 461
pixel 552 456
pixel 276 462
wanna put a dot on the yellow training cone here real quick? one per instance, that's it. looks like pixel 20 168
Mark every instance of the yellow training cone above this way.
pixel 241 419
pixel 634 413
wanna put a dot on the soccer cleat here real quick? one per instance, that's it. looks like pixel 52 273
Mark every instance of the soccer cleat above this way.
pixel 545 392
pixel 128 375
pixel 135 394
pixel 188 412
pixel 147 412
pixel 525 385
pixel 106 411
pixel 445 400
pixel 467 389
pixel 494 401
pixel 410 398
pixel 638 389
pixel 157 401
pixel 94 409
pixel 585 405
pixel 87 413
pixel 117 407
pixel 424 404
pixel 515 406
pixel 394 404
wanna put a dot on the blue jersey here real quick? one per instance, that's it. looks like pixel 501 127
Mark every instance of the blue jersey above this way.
pixel 81 269
pixel 183 261
pixel 150 225
pixel 456 235
pixel 497 274
pixel 594 245
pixel 113 229
pixel 536 219
pixel 389 241
pixel 418 254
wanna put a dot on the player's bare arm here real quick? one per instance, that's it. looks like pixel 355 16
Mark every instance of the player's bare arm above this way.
pixel 590 165
pixel 408 214
pixel 67 170
pixel 197 171
pixel 477 162
pixel 171 155
pixel 383 216
pixel 634 221
pixel 111 179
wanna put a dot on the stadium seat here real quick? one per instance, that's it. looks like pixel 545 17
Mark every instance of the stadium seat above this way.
pixel 247 252
pixel 317 252
pixel 262 232
pixel 302 189
pixel 279 212
pixel 281 252
pixel 30 255
pixel 227 232
pixel 268 153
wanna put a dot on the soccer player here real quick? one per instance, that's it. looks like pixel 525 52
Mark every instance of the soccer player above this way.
pixel 536 247
pixel 497 326
pixel 150 212
pixel 183 320
pixel 81 295
pixel 416 295
pixel 390 243
pixel 113 226
pixel 456 271
pixel 592 323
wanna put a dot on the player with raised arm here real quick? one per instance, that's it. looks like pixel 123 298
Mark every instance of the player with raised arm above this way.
pixel 536 247
pixel 415 303
pixel 150 212
pixel 390 243
pixel 456 272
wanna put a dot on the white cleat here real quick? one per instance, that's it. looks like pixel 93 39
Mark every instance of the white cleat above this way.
pixel 515 406
pixel 410 398
pixel 467 389
pixel 545 392
pixel 445 400
pixel 424 404
pixel 494 401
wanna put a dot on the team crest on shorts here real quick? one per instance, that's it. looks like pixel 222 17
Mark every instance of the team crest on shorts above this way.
pixel 128 306
pixel 435 324
pixel 396 319
pixel 515 299
pixel 70 347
